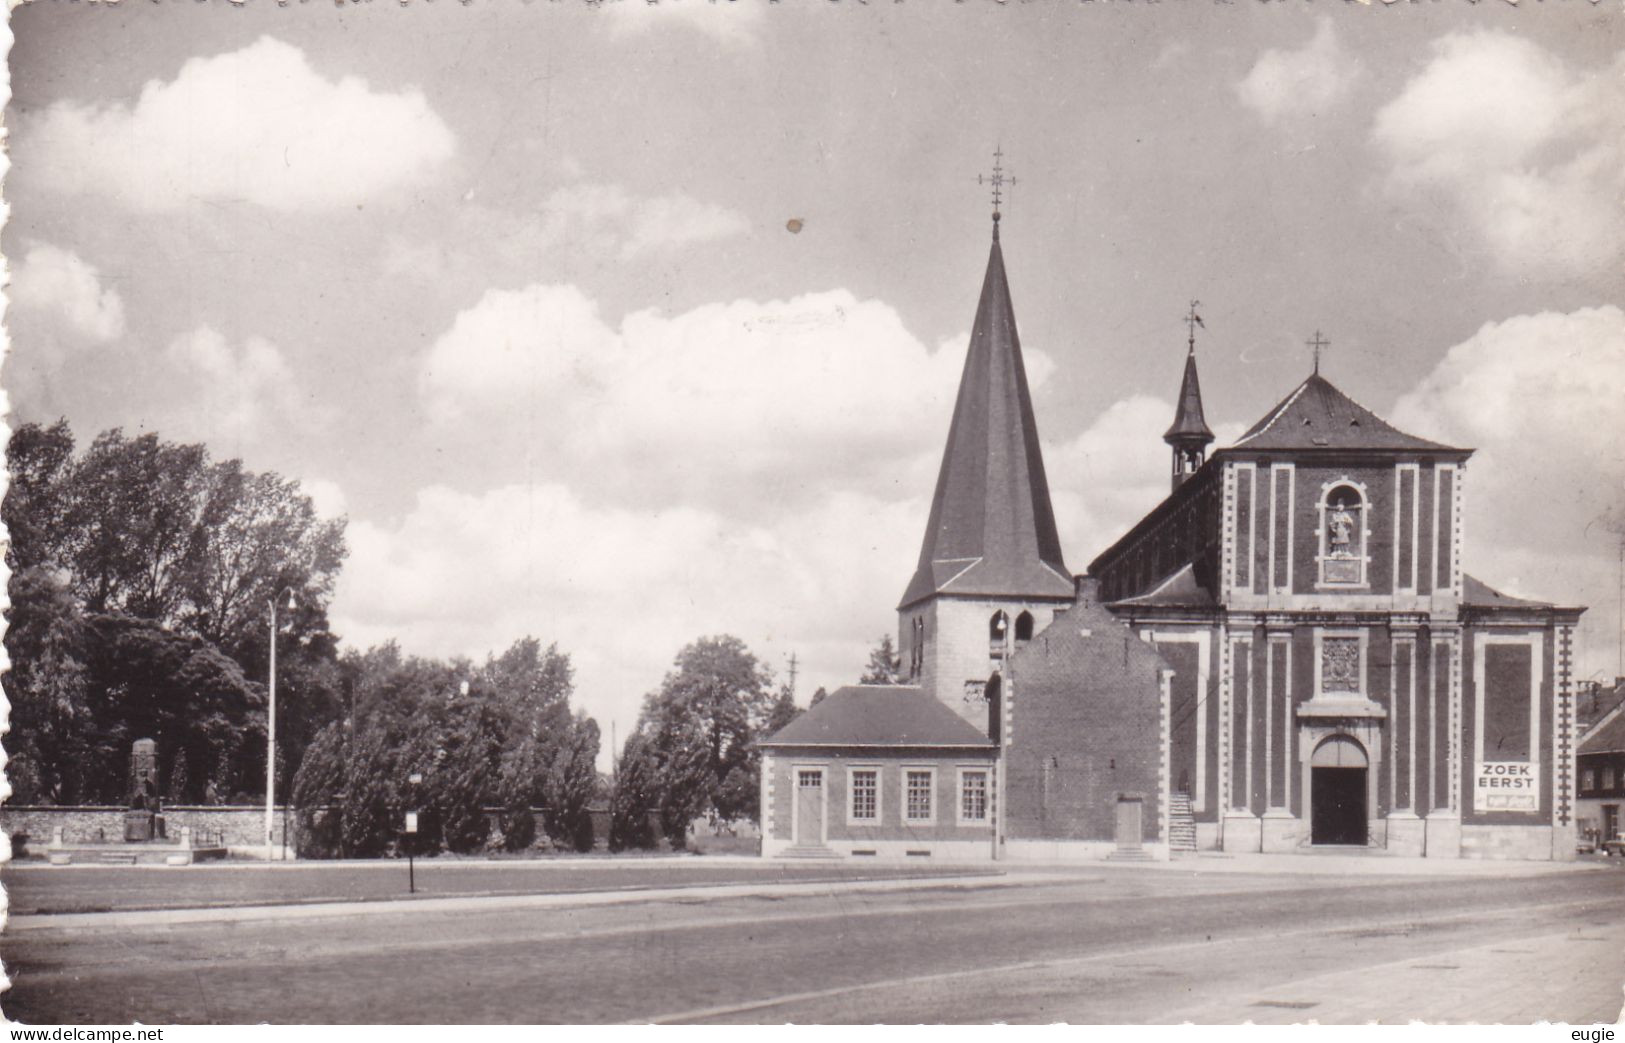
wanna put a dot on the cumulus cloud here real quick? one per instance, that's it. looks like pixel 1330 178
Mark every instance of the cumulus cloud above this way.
pixel 1539 397
pixel 1307 82
pixel 1107 477
pixel 257 125
pixel 234 392
pixel 595 225
pixel 1527 149
pixel 622 588
pixel 733 23
pixel 748 400
pixel 62 293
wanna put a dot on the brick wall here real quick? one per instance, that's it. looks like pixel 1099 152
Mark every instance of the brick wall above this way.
pixel 892 764
pixel 1085 729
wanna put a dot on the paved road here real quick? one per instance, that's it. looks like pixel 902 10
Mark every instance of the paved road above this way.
pixel 1108 944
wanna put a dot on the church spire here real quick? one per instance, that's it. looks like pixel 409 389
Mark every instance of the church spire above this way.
pixel 992 529
pixel 1189 436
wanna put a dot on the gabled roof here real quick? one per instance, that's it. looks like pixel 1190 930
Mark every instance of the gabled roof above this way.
pixel 1181 590
pixel 992 529
pixel 879 715
pixel 1189 424
pixel 1319 416
pixel 1607 735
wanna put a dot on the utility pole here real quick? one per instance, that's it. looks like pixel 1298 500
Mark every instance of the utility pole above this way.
pixel 793 662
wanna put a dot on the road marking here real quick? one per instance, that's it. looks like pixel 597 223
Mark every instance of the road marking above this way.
pixel 726 1010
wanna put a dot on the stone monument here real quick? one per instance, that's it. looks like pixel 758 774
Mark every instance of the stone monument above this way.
pixel 142 820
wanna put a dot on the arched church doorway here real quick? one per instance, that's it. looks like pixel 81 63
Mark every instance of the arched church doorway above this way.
pixel 1337 792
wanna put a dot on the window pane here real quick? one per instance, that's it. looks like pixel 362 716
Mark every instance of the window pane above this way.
pixel 864 787
pixel 973 796
pixel 919 794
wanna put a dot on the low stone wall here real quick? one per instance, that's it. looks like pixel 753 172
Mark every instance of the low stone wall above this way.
pixel 232 826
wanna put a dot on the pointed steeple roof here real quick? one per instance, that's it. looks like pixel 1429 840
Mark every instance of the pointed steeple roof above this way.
pixel 1319 416
pixel 992 528
pixel 1189 425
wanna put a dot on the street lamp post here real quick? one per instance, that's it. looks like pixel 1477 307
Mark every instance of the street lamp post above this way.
pixel 270 735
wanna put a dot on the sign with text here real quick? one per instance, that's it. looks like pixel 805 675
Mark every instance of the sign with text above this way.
pixel 1506 786
pixel 411 822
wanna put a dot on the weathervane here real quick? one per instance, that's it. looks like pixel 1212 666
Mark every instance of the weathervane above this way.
pixel 1194 320
pixel 1316 344
pixel 998 180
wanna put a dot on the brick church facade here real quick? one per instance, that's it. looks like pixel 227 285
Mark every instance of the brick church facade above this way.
pixel 1283 655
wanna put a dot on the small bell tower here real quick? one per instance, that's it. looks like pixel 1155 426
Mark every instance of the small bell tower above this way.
pixel 1189 436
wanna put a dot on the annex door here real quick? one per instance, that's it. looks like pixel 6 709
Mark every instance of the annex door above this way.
pixel 1129 831
pixel 1337 800
pixel 809 807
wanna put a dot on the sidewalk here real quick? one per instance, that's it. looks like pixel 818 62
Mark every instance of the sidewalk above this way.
pixel 1555 977
pixel 1326 864
pixel 488 903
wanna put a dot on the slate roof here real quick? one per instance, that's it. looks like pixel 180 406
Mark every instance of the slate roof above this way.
pixel 1478 594
pixel 992 528
pixel 1181 590
pixel 879 715
pixel 1319 416
pixel 1607 735
pixel 1189 424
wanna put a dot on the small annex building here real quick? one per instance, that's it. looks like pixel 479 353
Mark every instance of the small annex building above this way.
pixel 878 771
pixel 1284 655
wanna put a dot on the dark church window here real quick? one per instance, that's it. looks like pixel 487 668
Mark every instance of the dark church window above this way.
pixel 998 628
pixel 1024 627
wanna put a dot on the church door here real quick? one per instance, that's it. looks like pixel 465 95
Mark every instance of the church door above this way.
pixel 1337 801
pixel 809 807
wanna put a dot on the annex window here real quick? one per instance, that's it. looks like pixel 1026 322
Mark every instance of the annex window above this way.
pixel 973 795
pixel 919 785
pixel 1024 627
pixel 865 795
pixel 1608 778
pixel 1344 530
pixel 1588 779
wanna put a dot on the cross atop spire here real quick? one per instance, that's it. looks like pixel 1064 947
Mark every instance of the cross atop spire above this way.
pixel 998 179
pixel 1316 344
pixel 1194 320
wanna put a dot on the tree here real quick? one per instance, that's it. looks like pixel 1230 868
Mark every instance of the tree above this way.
pixel 142 531
pixel 783 711
pixel 819 696
pixel 885 665
pixel 637 793
pixel 52 725
pixel 697 731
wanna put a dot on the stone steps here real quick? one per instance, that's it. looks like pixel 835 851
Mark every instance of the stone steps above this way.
pixel 809 852
pixel 1181 824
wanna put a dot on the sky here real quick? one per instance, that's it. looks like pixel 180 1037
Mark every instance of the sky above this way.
pixel 624 324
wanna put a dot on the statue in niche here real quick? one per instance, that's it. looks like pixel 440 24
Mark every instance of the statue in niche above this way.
pixel 1342 524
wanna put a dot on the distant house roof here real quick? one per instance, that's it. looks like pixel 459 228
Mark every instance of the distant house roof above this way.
pixel 879 715
pixel 1181 590
pixel 1319 416
pixel 1607 735
pixel 1478 594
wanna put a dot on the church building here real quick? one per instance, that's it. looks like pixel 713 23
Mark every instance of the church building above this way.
pixel 1283 656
